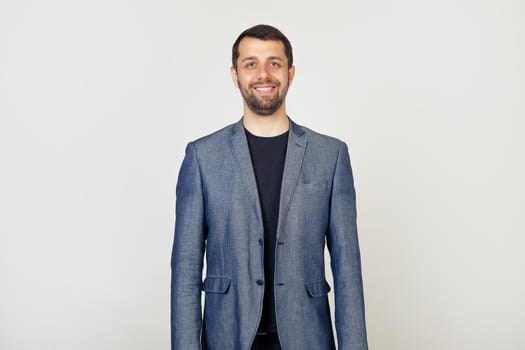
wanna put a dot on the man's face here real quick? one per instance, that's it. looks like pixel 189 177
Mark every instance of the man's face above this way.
pixel 262 74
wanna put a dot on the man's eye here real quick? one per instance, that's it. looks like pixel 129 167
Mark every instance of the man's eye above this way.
pixel 275 64
pixel 250 65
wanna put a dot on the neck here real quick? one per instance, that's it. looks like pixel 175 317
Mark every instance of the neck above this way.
pixel 266 125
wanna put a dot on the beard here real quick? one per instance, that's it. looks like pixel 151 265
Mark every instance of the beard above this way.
pixel 263 105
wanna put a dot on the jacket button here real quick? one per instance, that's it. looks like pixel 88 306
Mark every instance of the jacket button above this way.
pixel 260 282
pixel 261 241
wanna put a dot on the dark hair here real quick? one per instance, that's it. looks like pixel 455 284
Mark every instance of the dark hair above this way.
pixel 263 32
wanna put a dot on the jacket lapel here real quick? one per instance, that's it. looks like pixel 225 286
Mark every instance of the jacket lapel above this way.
pixel 292 168
pixel 241 153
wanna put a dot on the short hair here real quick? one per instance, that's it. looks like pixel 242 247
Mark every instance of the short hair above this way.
pixel 263 32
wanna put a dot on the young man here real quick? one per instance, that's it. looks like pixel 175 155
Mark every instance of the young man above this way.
pixel 261 197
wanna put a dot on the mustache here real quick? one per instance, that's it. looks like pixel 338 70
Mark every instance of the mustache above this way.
pixel 265 81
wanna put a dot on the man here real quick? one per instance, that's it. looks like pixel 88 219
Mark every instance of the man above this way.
pixel 261 197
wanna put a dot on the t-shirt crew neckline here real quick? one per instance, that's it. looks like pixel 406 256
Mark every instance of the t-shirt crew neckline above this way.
pixel 266 137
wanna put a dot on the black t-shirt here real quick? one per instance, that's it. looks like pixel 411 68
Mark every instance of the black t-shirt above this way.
pixel 268 157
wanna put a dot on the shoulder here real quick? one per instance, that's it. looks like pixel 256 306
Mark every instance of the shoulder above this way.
pixel 216 136
pixel 319 140
pixel 214 140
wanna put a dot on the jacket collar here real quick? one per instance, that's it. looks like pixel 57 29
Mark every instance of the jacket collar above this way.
pixel 295 129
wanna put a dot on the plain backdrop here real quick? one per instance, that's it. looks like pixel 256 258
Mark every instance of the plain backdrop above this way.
pixel 99 98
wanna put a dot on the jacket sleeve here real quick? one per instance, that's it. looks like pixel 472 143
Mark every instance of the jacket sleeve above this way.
pixel 343 246
pixel 187 256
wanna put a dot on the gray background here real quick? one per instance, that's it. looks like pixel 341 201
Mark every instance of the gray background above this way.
pixel 99 98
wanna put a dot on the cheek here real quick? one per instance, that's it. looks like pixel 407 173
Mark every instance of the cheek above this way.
pixel 246 82
pixel 284 77
pixel 284 81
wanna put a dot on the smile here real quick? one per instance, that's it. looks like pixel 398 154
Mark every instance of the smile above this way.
pixel 264 90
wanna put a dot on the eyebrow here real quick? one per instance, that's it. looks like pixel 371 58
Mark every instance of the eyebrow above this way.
pixel 255 58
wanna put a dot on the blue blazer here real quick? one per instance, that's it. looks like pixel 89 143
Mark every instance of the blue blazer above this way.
pixel 218 212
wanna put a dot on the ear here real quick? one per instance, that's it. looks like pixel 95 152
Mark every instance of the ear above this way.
pixel 233 72
pixel 291 74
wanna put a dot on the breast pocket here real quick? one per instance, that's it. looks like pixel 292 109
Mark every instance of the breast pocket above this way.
pixel 310 203
pixel 313 186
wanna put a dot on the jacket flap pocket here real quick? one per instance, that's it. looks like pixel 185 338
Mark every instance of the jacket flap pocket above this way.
pixel 216 284
pixel 318 289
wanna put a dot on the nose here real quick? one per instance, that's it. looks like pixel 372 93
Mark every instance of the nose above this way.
pixel 263 72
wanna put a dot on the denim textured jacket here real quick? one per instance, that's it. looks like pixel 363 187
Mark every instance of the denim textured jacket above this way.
pixel 218 216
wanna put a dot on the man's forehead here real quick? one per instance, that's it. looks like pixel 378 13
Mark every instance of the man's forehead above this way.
pixel 253 47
